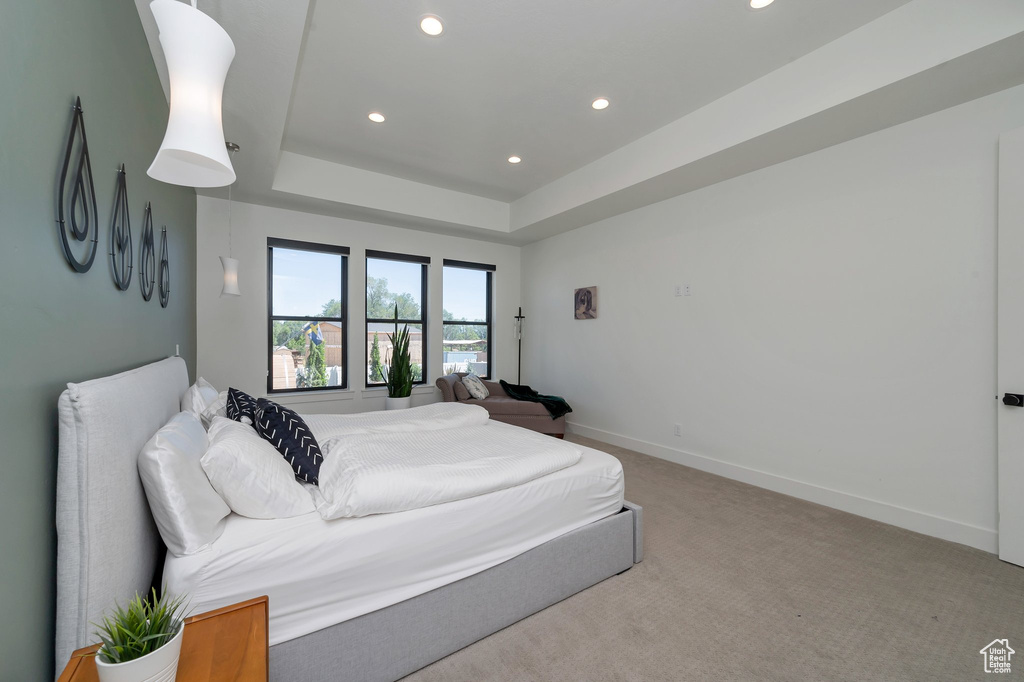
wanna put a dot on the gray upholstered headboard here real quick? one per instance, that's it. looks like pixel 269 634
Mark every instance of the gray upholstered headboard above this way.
pixel 107 544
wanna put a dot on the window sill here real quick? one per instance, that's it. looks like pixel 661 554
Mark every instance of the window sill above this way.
pixel 300 397
pixel 382 392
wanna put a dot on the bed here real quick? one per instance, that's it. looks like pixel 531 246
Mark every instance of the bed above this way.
pixel 419 585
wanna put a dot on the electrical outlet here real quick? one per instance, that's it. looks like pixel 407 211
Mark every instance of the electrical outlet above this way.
pixel 677 430
pixel 687 290
pixel 679 290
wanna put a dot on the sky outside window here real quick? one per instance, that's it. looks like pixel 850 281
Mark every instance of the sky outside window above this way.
pixel 305 281
pixel 465 294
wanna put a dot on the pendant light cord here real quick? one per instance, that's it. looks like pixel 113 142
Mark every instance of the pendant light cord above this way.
pixel 232 148
pixel 230 253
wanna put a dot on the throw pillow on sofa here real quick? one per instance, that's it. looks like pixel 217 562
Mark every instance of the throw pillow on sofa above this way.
pixel 461 392
pixel 475 387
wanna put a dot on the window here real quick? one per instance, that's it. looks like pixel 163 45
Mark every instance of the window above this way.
pixel 467 317
pixel 307 311
pixel 394 279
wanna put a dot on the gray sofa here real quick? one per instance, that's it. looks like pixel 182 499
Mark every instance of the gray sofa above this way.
pixel 504 409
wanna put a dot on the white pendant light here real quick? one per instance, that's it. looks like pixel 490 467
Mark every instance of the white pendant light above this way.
pixel 230 264
pixel 198 53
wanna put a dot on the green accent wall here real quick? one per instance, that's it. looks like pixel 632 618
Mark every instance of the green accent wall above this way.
pixel 56 325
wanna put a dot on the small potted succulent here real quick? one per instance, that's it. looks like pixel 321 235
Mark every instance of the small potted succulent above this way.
pixel 398 371
pixel 141 643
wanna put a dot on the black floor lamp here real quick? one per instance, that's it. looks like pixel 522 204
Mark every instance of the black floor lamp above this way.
pixel 519 336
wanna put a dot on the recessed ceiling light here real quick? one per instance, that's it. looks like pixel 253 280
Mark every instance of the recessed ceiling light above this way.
pixel 600 103
pixel 433 26
pixel 376 117
pixel 514 159
pixel 760 4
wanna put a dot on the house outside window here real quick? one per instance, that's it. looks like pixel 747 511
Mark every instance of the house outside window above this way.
pixel 396 284
pixel 467 312
pixel 307 316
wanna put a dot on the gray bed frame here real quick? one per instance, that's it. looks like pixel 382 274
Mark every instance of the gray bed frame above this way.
pixel 108 548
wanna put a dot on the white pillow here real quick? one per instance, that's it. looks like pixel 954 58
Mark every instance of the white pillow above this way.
pixel 218 407
pixel 198 396
pixel 252 477
pixel 475 387
pixel 188 512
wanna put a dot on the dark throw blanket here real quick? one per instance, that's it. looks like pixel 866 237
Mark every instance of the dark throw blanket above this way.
pixel 554 404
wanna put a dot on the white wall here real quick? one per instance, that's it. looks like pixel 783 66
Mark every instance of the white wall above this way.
pixel 232 331
pixel 839 342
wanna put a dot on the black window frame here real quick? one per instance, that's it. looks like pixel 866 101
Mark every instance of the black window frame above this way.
pixel 294 245
pixel 424 262
pixel 490 270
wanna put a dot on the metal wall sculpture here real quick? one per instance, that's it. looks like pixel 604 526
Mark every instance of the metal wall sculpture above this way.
pixel 164 273
pixel 78 222
pixel 147 255
pixel 121 248
pixel 78 194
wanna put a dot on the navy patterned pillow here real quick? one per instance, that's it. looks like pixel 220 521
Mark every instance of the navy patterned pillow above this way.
pixel 287 432
pixel 241 406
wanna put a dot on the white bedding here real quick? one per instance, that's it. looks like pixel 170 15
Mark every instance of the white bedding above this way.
pixel 431 417
pixel 318 573
pixel 380 473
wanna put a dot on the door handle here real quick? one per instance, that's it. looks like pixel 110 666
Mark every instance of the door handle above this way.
pixel 1013 399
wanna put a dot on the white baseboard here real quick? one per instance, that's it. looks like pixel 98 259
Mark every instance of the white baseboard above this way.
pixel 955 531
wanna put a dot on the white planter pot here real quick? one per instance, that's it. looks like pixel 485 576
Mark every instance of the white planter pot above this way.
pixel 159 666
pixel 397 403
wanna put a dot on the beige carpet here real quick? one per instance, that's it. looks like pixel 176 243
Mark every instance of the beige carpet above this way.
pixel 739 583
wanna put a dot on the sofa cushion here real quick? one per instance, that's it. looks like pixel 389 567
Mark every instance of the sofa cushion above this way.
pixel 499 405
pixel 494 388
pixel 461 392
pixel 475 387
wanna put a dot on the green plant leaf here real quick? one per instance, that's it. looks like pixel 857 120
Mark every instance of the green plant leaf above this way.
pixel 141 628
pixel 398 373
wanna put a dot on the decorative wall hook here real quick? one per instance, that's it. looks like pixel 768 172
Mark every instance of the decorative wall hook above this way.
pixel 121 249
pixel 78 193
pixel 164 273
pixel 147 255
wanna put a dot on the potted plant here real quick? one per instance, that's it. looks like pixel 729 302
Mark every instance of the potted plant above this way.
pixel 398 371
pixel 141 643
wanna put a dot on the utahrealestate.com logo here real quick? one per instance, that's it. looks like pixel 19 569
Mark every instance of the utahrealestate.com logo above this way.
pixel 997 656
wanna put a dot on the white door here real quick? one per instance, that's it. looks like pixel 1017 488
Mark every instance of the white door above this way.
pixel 1010 374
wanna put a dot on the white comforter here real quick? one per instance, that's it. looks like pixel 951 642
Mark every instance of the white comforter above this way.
pixel 411 463
pixel 431 417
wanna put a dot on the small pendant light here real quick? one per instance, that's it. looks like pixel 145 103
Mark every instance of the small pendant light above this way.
pixel 198 53
pixel 230 264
